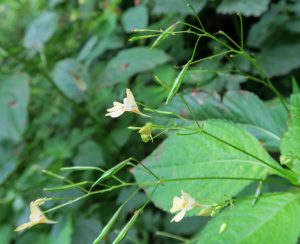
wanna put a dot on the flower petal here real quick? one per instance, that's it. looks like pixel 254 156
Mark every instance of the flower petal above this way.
pixel 178 217
pixel 177 205
pixel 189 202
pixel 117 110
pixel 25 226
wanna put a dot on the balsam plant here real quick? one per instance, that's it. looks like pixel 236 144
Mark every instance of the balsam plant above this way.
pixel 219 164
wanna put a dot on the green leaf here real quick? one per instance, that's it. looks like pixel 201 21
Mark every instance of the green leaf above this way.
pixel 130 62
pixel 63 230
pixel 86 230
pixel 89 154
pixel 135 18
pixel 200 155
pixel 258 118
pixel 245 7
pixel 178 6
pixel 6 233
pixel 40 30
pixel 14 99
pixel 290 143
pixel 271 58
pixel 71 79
pixel 274 219
pixel 8 161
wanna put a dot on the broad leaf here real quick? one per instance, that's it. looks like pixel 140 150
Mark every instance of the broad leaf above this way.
pixel 8 161
pixel 290 144
pixel 135 18
pixel 245 7
pixel 71 79
pixel 271 58
pixel 177 6
pixel 14 99
pixel 40 30
pixel 258 118
pixel 130 62
pixel 200 155
pixel 274 219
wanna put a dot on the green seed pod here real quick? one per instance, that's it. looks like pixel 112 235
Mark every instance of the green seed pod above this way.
pixel 108 226
pixel 164 35
pixel 127 227
pixel 111 172
pixel 177 83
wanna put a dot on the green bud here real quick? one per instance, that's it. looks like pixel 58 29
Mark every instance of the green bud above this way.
pixel 145 132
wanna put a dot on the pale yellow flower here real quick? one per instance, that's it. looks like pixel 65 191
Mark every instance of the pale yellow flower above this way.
pixel 128 105
pixel 36 216
pixel 183 204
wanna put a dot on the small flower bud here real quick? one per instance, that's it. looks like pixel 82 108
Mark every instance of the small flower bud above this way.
pixel 145 132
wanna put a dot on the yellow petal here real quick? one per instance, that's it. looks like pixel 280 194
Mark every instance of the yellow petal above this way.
pixel 177 205
pixel 178 217
pixel 189 202
pixel 25 226
pixel 117 110
pixel 35 212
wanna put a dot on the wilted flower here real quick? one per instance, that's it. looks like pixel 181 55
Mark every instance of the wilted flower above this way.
pixel 183 204
pixel 36 216
pixel 128 105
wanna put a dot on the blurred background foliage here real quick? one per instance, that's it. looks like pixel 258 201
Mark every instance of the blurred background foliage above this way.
pixel 63 63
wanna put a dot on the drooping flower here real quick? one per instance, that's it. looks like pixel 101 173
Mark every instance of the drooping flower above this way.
pixel 36 216
pixel 128 105
pixel 183 204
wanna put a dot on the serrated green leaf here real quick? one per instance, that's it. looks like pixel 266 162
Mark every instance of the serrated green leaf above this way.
pixel 290 143
pixel 130 62
pixel 274 219
pixel 200 155
pixel 14 99
pixel 244 7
